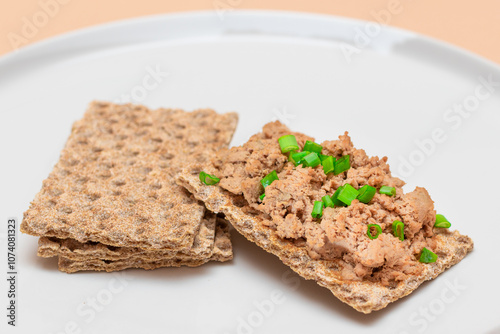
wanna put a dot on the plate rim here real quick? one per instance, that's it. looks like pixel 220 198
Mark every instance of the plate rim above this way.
pixel 15 56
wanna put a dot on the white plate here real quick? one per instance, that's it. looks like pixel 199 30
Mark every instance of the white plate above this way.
pixel 397 89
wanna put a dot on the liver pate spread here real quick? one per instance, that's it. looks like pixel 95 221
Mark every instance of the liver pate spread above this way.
pixel 341 233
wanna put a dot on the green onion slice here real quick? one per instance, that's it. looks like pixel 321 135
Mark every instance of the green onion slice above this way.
pixel 369 231
pixel 298 157
pixel 327 201
pixel 347 194
pixel 288 143
pixel 427 256
pixel 398 228
pixel 312 159
pixel 323 157
pixel 312 147
pixel 366 193
pixel 328 164
pixel 208 179
pixel 335 196
pixel 261 197
pixel 389 191
pixel 342 164
pixel 269 178
pixel 317 211
pixel 441 221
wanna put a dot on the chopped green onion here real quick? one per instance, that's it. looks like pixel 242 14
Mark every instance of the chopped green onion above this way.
pixel 208 179
pixel 441 221
pixel 335 196
pixel 312 147
pixel 298 157
pixel 323 156
pixel 317 211
pixel 398 228
pixel 328 164
pixel 327 201
pixel 389 191
pixel 347 194
pixel 288 143
pixel 427 256
pixel 269 178
pixel 366 193
pixel 342 164
pixel 312 160
pixel 369 231
pixel 261 197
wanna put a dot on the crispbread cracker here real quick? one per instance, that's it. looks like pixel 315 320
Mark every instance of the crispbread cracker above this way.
pixel 113 183
pixel 221 252
pixel 70 266
pixel 223 249
pixel 77 251
pixel 364 296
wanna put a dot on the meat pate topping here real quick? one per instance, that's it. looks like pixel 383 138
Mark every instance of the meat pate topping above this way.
pixel 341 233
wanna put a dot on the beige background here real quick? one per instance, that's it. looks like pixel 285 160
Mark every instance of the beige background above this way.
pixel 473 25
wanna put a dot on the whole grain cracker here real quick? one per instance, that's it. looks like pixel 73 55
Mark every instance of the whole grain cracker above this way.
pixel 77 251
pixel 364 296
pixel 221 252
pixel 113 182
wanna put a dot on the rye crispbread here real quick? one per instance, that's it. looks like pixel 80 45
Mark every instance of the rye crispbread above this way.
pixel 364 296
pixel 113 183
pixel 77 251
pixel 221 251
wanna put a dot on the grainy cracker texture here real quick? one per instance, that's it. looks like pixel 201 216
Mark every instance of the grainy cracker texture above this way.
pixel 111 196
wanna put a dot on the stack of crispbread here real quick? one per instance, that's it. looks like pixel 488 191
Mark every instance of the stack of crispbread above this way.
pixel 111 201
